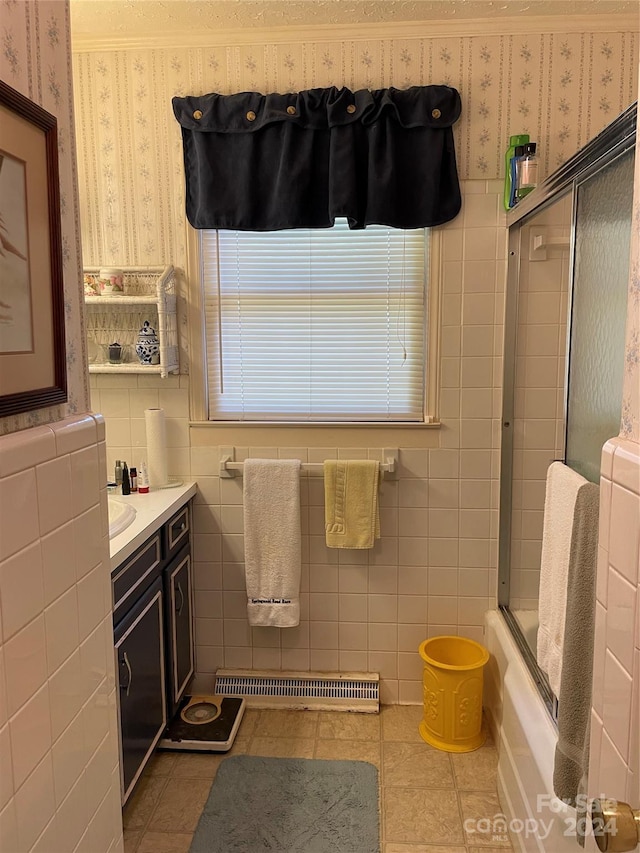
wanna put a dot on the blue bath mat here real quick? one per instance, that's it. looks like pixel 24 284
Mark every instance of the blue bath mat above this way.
pixel 290 805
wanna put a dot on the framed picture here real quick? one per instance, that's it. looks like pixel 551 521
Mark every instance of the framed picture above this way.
pixel 32 346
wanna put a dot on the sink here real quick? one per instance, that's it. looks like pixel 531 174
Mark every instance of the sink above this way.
pixel 120 516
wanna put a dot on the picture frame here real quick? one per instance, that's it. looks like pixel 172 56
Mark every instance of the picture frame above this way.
pixel 32 331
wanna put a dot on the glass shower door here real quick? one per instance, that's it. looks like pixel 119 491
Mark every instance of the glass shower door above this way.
pixel 598 313
pixel 538 425
pixel 565 330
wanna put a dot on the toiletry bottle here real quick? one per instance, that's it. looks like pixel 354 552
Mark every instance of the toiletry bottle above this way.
pixel 126 483
pixel 133 477
pixel 517 156
pixel 118 473
pixel 143 480
pixel 527 171
pixel 519 139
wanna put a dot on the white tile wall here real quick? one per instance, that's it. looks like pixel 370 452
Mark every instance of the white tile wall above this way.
pixel 615 753
pixel 434 569
pixel 58 750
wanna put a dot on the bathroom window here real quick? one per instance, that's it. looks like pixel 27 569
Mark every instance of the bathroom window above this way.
pixel 317 325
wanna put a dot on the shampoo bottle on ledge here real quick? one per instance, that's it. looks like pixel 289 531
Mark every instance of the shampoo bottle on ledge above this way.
pixel 518 155
pixel 519 139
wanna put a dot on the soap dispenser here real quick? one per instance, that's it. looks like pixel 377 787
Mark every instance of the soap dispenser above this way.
pixel 526 171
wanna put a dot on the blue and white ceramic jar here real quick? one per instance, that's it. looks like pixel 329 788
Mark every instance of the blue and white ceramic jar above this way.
pixel 148 345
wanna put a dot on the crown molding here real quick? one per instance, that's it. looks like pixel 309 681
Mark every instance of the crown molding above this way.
pixel 522 25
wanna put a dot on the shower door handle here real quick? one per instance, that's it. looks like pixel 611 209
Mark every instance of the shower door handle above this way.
pixel 616 826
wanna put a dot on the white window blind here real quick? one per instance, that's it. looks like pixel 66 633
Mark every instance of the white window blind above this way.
pixel 315 325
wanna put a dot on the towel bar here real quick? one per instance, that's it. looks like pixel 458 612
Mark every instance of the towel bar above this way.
pixel 228 468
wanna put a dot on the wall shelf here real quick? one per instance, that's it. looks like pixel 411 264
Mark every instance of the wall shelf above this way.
pixel 118 301
pixel 151 295
pixel 124 367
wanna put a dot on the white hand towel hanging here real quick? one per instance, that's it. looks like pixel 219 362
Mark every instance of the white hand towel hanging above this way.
pixel 272 546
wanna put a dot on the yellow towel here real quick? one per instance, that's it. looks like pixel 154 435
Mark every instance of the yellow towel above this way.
pixel 351 513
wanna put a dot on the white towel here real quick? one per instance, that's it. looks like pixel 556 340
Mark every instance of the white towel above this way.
pixel 272 549
pixel 562 489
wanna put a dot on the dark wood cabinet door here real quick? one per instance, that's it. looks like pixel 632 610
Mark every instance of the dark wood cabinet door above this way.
pixel 139 644
pixel 180 641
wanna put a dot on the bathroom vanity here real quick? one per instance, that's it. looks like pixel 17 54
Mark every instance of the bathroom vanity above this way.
pixel 151 581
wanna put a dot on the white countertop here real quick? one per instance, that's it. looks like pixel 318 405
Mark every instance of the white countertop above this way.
pixel 152 510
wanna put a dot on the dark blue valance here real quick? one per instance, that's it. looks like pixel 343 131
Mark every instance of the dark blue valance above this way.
pixel 266 162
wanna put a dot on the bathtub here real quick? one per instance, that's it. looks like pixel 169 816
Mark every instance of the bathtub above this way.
pixel 526 738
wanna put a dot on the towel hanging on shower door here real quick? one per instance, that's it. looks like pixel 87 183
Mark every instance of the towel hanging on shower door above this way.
pixel 574 700
pixel 561 492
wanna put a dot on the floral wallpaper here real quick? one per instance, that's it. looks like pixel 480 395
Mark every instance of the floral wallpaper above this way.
pixel 561 88
pixel 630 426
pixel 35 59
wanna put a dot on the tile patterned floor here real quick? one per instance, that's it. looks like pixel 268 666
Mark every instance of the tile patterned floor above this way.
pixel 426 796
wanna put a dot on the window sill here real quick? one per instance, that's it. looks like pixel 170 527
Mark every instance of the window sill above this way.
pixel 316 424
pixel 276 434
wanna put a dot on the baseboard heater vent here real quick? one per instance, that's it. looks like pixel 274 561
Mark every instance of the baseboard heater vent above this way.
pixel 325 691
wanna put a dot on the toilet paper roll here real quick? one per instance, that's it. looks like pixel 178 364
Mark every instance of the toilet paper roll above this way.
pixel 156 446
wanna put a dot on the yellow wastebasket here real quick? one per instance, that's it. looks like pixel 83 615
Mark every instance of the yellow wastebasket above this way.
pixel 452 690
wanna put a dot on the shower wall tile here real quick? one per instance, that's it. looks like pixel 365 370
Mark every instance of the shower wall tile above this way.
pixel 54 571
pixel 624 531
pixel 616 685
pixel 625 470
pixel 613 768
pixel 621 617
pixel 617 701
pixel 24 450
pixel 34 802
pixel 17 527
pixel 30 730
pixel 21 578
